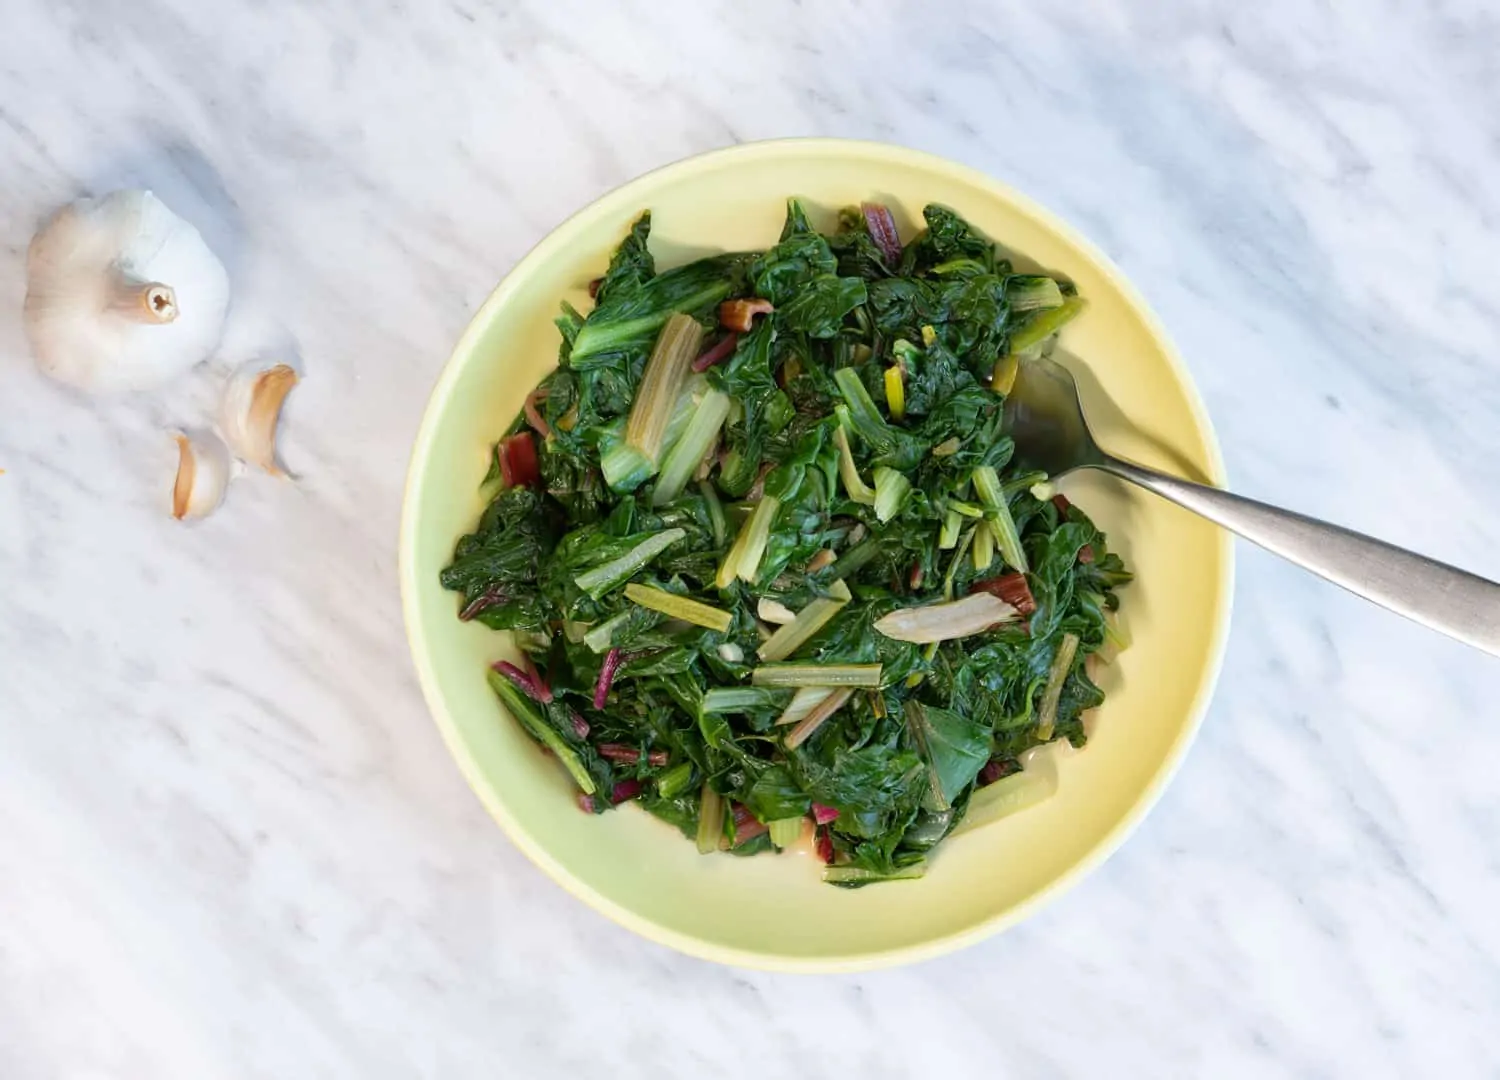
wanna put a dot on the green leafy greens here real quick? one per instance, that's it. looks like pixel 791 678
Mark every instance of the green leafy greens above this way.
pixel 818 592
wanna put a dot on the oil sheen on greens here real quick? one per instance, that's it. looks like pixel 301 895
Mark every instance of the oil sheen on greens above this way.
pixel 843 458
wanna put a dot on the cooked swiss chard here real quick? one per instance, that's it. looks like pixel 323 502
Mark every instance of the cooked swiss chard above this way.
pixel 768 564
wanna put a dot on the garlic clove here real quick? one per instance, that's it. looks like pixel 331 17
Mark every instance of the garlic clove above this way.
pixel 251 411
pixel 122 294
pixel 774 611
pixel 202 475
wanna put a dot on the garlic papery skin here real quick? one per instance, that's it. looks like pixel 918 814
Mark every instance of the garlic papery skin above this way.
pixel 203 467
pixel 251 410
pixel 122 294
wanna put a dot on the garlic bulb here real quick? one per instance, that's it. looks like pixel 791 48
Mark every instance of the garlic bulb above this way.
pixel 202 475
pixel 250 411
pixel 122 294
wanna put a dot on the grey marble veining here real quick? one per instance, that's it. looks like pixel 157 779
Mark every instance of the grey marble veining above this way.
pixel 231 844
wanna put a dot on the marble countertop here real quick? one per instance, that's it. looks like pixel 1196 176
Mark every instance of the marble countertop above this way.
pixel 231 843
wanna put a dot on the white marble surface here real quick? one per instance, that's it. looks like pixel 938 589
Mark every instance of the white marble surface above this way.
pixel 231 844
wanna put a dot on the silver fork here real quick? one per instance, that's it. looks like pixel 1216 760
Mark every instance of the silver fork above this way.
pixel 1045 417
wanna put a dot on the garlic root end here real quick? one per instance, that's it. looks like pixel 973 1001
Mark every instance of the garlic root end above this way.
pixel 147 302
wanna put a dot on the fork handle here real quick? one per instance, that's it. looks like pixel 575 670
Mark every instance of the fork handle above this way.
pixel 1445 598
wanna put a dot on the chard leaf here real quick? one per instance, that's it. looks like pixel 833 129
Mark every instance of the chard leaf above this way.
pixel 776 795
pixel 631 266
pixel 956 748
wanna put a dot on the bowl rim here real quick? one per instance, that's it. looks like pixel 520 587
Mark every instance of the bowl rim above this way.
pixel 628 197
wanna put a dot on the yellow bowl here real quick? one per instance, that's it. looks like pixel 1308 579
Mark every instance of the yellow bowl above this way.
pixel 774 912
